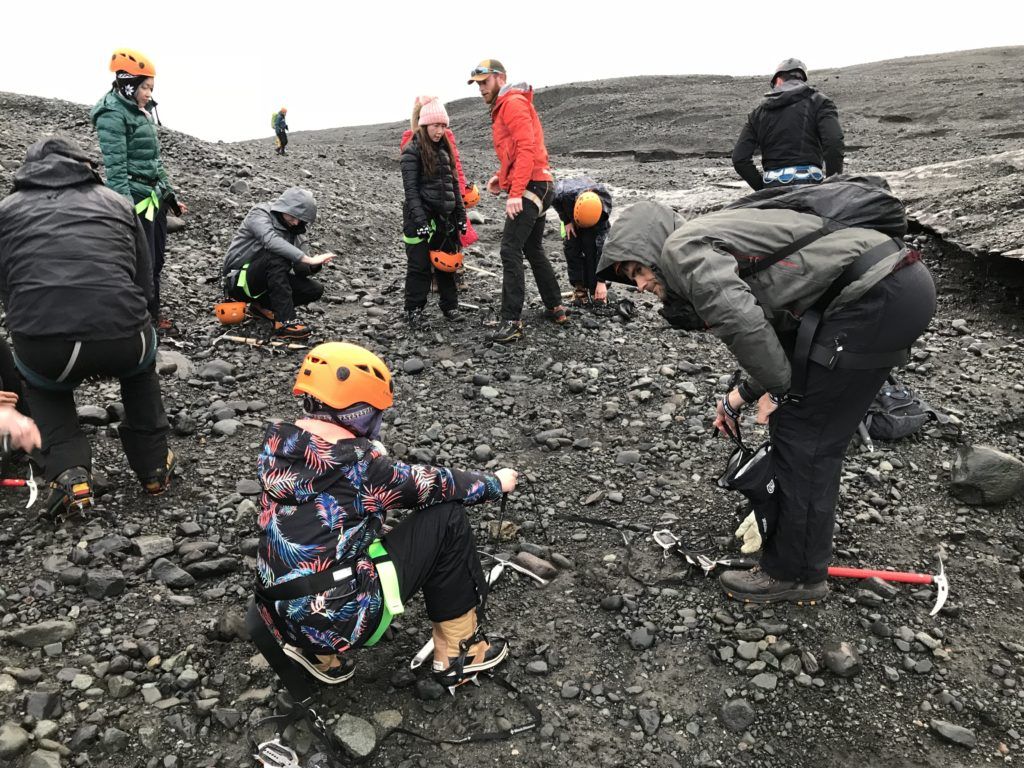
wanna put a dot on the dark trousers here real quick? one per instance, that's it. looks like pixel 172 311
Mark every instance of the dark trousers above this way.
pixel 156 236
pixel 282 138
pixel 809 438
pixel 524 236
pixel 433 549
pixel 51 378
pixel 418 276
pixel 582 253
pixel 280 284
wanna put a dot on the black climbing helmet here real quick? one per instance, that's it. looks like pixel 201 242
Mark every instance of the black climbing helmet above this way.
pixel 790 65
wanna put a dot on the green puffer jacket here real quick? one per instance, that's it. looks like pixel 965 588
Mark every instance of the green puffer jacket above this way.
pixel 131 149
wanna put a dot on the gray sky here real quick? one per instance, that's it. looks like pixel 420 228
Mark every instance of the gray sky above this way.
pixel 224 66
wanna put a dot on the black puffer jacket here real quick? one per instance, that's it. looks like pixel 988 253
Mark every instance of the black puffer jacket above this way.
pixel 794 125
pixel 566 192
pixel 429 197
pixel 74 262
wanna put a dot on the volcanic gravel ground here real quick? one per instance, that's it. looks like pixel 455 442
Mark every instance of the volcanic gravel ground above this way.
pixel 132 617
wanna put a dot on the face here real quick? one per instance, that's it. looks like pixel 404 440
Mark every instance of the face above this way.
pixel 644 278
pixel 435 131
pixel 489 88
pixel 145 92
pixel 290 220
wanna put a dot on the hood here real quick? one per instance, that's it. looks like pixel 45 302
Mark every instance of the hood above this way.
pixel 112 100
pixel 53 163
pixel 297 202
pixel 787 93
pixel 639 234
pixel 524 89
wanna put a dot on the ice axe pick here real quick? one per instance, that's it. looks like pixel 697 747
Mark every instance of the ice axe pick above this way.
pixel 30 483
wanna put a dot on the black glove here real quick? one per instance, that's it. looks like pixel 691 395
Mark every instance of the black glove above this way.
pixel 423 231
pixel 463 226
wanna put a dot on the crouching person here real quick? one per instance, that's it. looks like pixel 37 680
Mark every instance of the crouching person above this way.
pixel 77 284
pixel 330 574
pixel 584 206
pixel 268 263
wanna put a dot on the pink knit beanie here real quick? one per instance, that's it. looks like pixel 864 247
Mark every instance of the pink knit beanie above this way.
pixel 432 112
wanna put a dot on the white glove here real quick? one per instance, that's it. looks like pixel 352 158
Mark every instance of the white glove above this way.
pixel 750 534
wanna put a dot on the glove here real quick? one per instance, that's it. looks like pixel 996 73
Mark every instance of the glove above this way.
pixel 750 534
pixel 423 231
pixel 463 226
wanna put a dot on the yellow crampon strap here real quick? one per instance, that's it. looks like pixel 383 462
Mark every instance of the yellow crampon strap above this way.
pixel 148 206
pixel 388 586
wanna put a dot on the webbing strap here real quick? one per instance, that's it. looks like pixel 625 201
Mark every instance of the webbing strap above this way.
pixel 243 281
pixel 797 245
pixel 148 206
pixel 417 240
pixel 388 577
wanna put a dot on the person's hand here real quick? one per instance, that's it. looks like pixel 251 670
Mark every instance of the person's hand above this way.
pixel 316 261
pixel 508 477
pixel 493 185
pixel 765 408
pixel 182 208
pixel 513 207
pixel 23 432
pixel 8 398
pixel 725 422
pixel 749 534
pixel 463 227
pixel 570 230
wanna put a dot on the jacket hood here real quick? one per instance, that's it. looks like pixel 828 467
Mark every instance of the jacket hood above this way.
pixel 297 202
pixel 787 93
pixel 524 89
pixel 53 163
pixel 639 234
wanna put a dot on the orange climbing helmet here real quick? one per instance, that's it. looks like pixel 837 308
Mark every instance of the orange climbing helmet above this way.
pixel 446 262
pixel 230 312
pixel 133 62
pixel 588 210
pixel 471 197
pixel 340 374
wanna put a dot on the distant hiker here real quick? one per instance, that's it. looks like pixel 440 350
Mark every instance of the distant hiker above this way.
pixel 268 263
pixel 76 281
pixel 280 127
pixel 584 206
pixel 796 128
pixel 873 297
pixel 468 191
pixel 433 215
pixel 125 122
pixel 331 574
pixel 525 176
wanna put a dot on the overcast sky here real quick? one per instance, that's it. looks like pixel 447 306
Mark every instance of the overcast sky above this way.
pixel 224 66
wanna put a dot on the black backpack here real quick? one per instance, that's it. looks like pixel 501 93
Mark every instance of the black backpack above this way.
pixel 897 412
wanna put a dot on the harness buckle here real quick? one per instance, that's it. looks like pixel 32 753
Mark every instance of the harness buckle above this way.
pixel 835 357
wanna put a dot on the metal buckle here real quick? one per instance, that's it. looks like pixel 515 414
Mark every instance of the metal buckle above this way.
pixel 274 754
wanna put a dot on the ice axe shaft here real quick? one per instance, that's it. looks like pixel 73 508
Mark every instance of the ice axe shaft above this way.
pixel 867 573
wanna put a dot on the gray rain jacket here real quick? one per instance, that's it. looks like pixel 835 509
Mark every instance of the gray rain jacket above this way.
pixel 699 260
pixel 263 231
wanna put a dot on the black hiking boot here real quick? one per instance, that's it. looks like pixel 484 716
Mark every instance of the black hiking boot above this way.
pixel 452 315
pixel 415 319
pixel 309 661
pixel 70 493
pixel 756 586
pixel 507 332
pixel 159 480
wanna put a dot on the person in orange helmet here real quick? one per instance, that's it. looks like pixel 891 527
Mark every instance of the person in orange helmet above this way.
pixel 331 571
pixel 281 130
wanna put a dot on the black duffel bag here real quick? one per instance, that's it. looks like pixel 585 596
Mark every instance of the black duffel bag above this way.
pixel 752 473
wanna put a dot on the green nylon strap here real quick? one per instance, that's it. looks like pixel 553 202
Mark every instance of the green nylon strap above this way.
pixel 149 205
pixel 563 230
pixel 243 281
pixel 389 587
pixel 417 240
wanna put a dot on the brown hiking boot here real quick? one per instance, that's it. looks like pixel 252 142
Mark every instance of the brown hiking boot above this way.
pixel 559 315
pixel 756 586
pixel 455 664
pixel 292 330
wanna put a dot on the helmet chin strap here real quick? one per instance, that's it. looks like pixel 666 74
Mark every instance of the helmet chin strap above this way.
pixel 361 419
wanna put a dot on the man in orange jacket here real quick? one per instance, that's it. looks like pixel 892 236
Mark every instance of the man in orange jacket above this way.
pixel 525 176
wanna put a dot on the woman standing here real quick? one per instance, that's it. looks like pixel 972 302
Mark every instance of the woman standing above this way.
pixel 126 125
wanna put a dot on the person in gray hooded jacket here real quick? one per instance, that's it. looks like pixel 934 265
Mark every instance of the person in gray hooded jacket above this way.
pixel 873 298
pixel 268 263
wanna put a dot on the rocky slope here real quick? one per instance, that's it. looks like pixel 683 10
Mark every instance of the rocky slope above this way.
pixel 120 636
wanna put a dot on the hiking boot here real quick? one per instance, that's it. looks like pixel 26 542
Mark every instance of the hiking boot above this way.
pixel 452 666
pixel 415 319
pixel 507 332
pixel 160 479
pixel 70 492
pixel 328 669
pixel 293 329
pixel 559 315
pixel 255 309
pixel 452 315
pixel 756 586
pixel 164 324
pixel 580 297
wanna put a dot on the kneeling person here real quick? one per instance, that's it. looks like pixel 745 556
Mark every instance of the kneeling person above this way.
pixel 329 577
pixel 268 263
pixel 584 206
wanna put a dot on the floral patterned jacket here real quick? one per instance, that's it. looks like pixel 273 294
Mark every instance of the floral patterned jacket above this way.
pixel 324 503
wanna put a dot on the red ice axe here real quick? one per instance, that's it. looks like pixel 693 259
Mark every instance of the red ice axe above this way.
pixel 939 580
pixel 30 483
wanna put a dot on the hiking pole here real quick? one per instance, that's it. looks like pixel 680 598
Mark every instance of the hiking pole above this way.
pixel 30 483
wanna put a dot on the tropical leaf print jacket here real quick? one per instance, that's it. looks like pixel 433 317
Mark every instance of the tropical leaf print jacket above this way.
pixel 324 503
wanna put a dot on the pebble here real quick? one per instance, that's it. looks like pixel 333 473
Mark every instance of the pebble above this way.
pixel 766 681
pixel 13 740
pixel 641 639
pixel 737 715
pixel 627 457
pixel 43 633
pixel 356 734
pixel 955 734
pixel 842 658
pixel 168 573
pixel 413 365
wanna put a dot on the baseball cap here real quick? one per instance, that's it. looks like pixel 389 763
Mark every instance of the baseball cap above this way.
pixel 484 69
